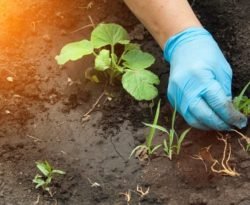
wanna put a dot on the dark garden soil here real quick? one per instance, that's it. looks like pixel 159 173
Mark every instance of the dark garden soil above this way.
pixel 42 111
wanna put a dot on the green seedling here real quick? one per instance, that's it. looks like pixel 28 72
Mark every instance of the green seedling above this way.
pixel 242 102
pixel 148 148
pixel 44 180
pixel 172 144
pixel 128 65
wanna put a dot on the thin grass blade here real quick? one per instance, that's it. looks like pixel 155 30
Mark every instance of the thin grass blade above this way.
pixel 180 140
pixel 150 137
pixel 158 127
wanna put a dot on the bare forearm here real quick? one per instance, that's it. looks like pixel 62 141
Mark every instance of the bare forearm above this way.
pixel 164 18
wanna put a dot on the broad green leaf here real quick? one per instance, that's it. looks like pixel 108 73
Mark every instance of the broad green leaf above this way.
pixel 103 60
pixel 140 84
pixel 132 46
pixel 74 51
pixel 136 59
pixel 109 34
pixel 42 167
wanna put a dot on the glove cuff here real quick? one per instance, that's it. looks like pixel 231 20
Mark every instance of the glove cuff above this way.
pixel 187 35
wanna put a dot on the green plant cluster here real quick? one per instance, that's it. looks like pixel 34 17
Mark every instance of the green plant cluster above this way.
pixel 130 66
pixel 171 144
pixel 45 180
pixel 242 102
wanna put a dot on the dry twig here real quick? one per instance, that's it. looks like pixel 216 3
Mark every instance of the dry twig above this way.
pixel 86 26
pixel 87 114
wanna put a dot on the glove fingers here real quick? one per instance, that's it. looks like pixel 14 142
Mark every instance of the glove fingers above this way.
pixel 224 76
pixel 201 111
pixel 221 104
pixel 194 122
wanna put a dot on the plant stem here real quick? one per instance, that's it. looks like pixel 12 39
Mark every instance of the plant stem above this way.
pixel 120 59
pixel 94 53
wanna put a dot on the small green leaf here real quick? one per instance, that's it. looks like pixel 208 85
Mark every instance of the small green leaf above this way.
pixel 74 51
pixel 109 34
pixel 43 168
pixel 95 79
pixel 38 181
pixel 239 98
pixel 56 171
pixel 180 140
pixel 140 84
pixel 158 127
pixel 155 148
pixel 136 59
pixel 103 60
pixel 165 145
pixel 48 166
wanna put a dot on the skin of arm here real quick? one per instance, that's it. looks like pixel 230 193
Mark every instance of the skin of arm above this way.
pixel 164 18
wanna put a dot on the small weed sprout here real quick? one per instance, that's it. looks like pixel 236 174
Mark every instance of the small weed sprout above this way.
pixel 242 102
pixel 148 148
pixel 130 65
pixel 45 179
pixel 171 145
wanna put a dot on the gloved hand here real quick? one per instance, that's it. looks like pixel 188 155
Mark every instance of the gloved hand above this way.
pixel 200 81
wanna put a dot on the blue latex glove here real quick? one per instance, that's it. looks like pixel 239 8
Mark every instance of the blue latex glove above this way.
pixel 200 81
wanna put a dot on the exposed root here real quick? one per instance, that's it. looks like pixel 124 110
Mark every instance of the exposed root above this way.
pixel 93 184
pixel 127 196
pixel 226 168
pixel 243 137
pixel 141 192
pixel 204 155
pixel 199 157
pixel 37 200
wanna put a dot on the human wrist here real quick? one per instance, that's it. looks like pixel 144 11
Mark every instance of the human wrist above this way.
pixel 186 35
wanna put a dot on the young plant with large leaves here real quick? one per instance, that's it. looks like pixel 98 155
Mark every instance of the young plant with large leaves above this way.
pixel 131 65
